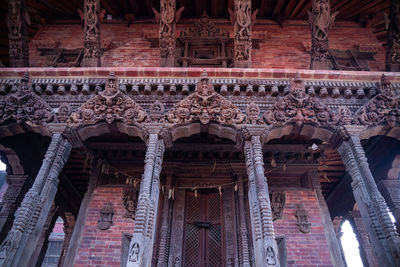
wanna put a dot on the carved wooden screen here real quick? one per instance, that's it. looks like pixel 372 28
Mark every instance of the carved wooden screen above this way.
pixel 203 230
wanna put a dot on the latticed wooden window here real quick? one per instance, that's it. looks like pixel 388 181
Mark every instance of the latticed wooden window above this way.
pixel 203 244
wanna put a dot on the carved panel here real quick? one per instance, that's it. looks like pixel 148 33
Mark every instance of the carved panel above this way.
pixel 130 202
pixel 175 255
pixel 321 20
pixel 106 216
pixel 242 29
pixel 109 105
pixel 230 227
pixel 25 105
pixel 302 219
pixel 277 204
pixel 92 45
pixel 205 105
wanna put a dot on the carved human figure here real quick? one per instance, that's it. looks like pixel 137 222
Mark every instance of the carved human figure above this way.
pixel 130 203
pixel 270 256
pixel 134 252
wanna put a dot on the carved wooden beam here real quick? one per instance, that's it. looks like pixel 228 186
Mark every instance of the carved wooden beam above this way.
pixel 321 20
pixel 17 20
pixel 92 45
pixel 393 41
pixel 241 18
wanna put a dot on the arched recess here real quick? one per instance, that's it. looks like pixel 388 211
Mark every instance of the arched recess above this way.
pixel 186 130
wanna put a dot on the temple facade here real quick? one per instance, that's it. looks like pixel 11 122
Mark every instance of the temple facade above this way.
pixel 199 133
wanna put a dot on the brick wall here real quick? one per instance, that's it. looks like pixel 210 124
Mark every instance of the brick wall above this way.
pixel 99 247
pixel 309 249
pixel 279 48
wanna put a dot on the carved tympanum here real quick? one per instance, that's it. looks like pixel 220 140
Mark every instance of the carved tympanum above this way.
pixel 302 219
pixel 25 105
pixel 321 20
pixel 205 105
pixel 109 105
pixel 130 203
pixel 383 108
pixel 299 107
pixel 278 200
pixel 106 216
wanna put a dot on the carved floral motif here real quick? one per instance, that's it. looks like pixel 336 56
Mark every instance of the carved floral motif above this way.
pixel 321 21
pixel 25 105
pixel 205 105
pixel 204 28
pixel 110 105
pixel 384 107
pixel 299 107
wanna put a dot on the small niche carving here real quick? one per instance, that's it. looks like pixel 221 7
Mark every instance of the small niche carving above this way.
pixel 278 200
pixel 302 219
pixel 106 216
pixel 130 203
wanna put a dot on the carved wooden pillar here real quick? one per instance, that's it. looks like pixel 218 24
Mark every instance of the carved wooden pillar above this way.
pixel 10 201
pixel 244 240
pixel 69 225
pixel 17 248
pixel 242 31
pixel 83 210
pixel 177 226
pixel 371 204
pixel 141 246
pixel 17 20
pixel 393 38
pixel 165 235
pixel 167 38
pixel 390 189
pixel 92 44
pixel 321 20
pixel 265 247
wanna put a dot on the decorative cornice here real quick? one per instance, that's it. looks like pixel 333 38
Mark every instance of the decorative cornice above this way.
pixel 110 105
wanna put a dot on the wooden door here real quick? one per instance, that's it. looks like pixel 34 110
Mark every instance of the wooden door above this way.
pixel 203 239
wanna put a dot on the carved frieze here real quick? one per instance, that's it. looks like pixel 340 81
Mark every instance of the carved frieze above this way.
pixel 25 105
pixel 130 203
pixel 106 216
pixel 92 44
pixel 299 107
pixel 205 105
pixel 302 218
pixel 278 200
pixel 109 105
pixel 321 20
pixel 383 108
pixel 17 20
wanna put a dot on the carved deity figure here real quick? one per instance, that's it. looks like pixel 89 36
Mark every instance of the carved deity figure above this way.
pixel 321 20
pixel 253 112
pixel 134 252
pixel 278 200
pixel 270 256
pixel 130 203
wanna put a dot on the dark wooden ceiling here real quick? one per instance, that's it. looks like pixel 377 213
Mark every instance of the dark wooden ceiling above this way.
pixel 368 12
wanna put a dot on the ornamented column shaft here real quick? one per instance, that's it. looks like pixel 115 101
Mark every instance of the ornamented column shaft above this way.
pixel 17 20
pixel 141 247
pixel 242 31
pixel 393 38
pixel 167 38
pixel 245 259
pixel 372 206
pixel 270 246
pixel 92 44
pixel 11 200
pixel 21 241
pixel 165 235
pixel 321 21
pixel 390 189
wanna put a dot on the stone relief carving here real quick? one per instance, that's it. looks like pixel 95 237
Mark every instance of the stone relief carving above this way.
pixel 278 200
pixel 270 256
pixel 92 45
pixel 130 203
pixel 17 18
pixel 383 108
pixel 299 107
pixel 321 20
pixel 25 105
pixel 109 105
pixel 205 105
pixel 302 219
pixel 106 216
pixel 134 252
